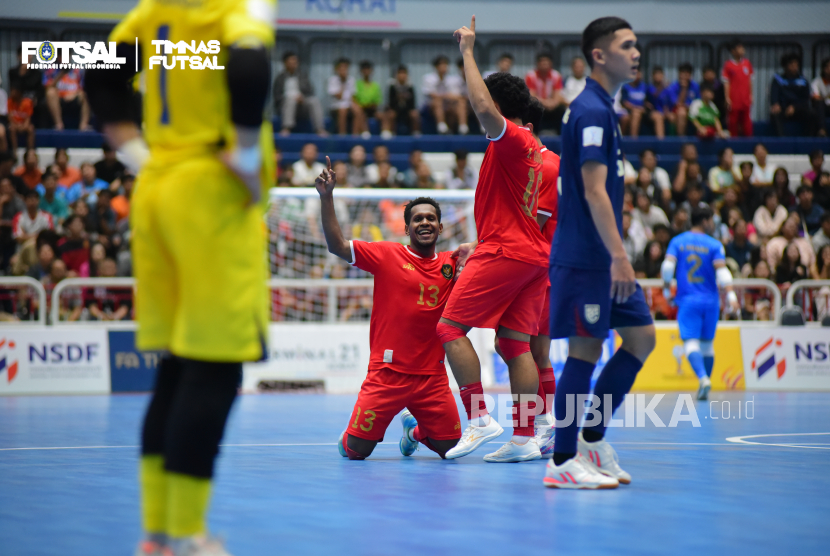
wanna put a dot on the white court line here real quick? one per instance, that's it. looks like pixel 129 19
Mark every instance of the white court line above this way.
pixel 740 440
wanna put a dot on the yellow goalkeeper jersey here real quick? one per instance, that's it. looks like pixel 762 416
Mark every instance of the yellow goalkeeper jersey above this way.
pixel 186 108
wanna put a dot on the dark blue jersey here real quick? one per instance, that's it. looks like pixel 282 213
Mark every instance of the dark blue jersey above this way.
pixel 589 132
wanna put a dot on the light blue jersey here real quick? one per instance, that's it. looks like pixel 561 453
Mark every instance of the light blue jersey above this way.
pixel 696 254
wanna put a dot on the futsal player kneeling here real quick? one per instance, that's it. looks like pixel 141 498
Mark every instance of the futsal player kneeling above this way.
pixel 588 262
pixel 406 364
pixel 198 244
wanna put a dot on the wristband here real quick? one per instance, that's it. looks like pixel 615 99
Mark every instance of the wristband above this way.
pixel 248 159
pixel 135 153
pixel 731 297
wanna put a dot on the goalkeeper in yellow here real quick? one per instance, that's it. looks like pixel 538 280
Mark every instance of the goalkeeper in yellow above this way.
pixel 204 158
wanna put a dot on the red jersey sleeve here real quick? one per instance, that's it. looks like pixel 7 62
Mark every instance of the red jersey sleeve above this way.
pixel 511 143
pixel 548 192
pixel 749 65
pixel 370 255
pixel 725 73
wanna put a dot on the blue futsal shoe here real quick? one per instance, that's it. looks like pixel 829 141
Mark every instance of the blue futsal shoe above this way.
pixel 340 447
pixel 408 446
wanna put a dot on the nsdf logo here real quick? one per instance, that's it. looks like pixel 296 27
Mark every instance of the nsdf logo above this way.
pixel 8 364
pixel 811 351
pixel 768 356
pixel 60 352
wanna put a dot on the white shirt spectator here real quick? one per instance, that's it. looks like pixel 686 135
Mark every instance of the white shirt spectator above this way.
pixel 649 221
pixel 305 176
pixel 23 224
pixel 618 107
pixel 470 181
pixel 662 178
pixel 433 85
pixel 768 224
pixel 762 175
pixel 821 89
pixel 345 89
pixel 292 87
pixel 573 87
pixel 373 173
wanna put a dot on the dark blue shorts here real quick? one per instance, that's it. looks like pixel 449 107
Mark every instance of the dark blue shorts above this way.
pixel 580 304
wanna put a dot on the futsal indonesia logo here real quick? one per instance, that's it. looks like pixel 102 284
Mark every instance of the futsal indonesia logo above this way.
pixel 765 358
pixel 7 365
pixel 46 53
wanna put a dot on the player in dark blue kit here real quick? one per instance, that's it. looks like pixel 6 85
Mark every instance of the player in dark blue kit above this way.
pixel 592 283
pixel 701 270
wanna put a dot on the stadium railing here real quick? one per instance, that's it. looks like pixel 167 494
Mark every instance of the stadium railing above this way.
pixel 76 287
pixel 808 301
pixel 10 282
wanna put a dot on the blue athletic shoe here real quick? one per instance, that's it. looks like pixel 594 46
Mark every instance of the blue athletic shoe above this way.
pixel 340 447
pixel 408 446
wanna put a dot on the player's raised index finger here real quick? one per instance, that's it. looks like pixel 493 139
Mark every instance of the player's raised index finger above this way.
pixel 473 24
pixel 328 162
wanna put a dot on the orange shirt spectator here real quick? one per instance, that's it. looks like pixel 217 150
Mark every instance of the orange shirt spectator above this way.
pixel 121 203
pixel 30 172
pixel 67 175
pixel 20 110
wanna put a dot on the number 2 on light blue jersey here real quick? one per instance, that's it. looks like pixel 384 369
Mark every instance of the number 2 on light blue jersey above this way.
pixel 695 261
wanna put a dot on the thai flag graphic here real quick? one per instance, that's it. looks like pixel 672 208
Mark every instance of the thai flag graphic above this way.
pixel 12 367
pixel 767 363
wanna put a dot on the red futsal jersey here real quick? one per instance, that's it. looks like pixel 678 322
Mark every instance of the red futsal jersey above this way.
pixel 739 76
pixel 549 194
pixel 507 197
pixel 409 297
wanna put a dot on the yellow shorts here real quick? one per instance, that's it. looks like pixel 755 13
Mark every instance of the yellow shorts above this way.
pixel 199 257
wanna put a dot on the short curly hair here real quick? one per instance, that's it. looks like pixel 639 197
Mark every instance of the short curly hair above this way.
pixel 407 211
pixel 510 93
pixel 533 114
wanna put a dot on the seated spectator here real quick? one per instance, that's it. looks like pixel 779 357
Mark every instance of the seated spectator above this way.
pixel 121 202
pixel 809 212
pixel 710 78
pixel 443 95
pixel 722 176
pixel 770 216
pixel 20 110
pixel 762 172
pixel 820 88
pixel 88 186
pixel 67 175
pixel 45 258
pixel 73 249
pixel 108 303
pixel 789 99
pixel 653 256
pixel 680 221
pixel 677 97
pixel 109 168
pixel 28 80
pixel 789 234
pixel 402 108
pixel 308 168
pixel 27 224
pixel 694 195
pixel 545 84
pixel 472 120
pixel 10 206
pixel 367 99
pixel 385 176
pixel 649 160
pixel 575 82
pixel 705 116
pixel 816 163
pixel 790 268
pixel 462 176
pixel 781 185
pixel 341 89
pixel 633 99
pixel 822 237
pixel 50 201
pixel 646 214
pixel 64 93
pixel 737 84
pixel 357 174
pixel 823 263
pixel 101 220
pixel 645 181
pixel 634 238
pixel 30 172
pixel 821 191
pixel 409 177
pixel 293 93
pixel 749 197
pixel 381 154
pixel 739 247
pixel 688 155
pixel 503 64
pixel 424 177
pixel 654 104
pixel 663 235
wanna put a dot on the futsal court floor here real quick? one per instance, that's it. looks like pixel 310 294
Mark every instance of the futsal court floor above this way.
pixel 68 470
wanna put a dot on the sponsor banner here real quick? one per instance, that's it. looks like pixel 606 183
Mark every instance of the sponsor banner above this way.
pixel 131 370
pixel 54 361
pixel 667 369
pixel 335 353
pixel 790 358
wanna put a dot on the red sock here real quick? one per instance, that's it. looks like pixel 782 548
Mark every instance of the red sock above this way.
pixel 523 413
pixel 467 393
pixel 423 439
pixel 547 387
pixel 351 453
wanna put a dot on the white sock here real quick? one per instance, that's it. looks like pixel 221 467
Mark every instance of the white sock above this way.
pixel 520 440
pixel 481 421
pixel 409 434
pixel 542 420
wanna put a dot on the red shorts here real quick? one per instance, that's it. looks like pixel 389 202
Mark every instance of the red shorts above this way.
pixel 544 318
pixel 385 393
pixel 494 291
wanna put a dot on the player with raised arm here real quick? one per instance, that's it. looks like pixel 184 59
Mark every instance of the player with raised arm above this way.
pixel 592 283
pixel 199 251
pixel 546 216
pixel 503 283
pixel 406 365
pixel 699 262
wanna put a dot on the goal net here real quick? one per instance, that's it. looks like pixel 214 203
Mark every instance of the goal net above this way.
pixel 311 285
